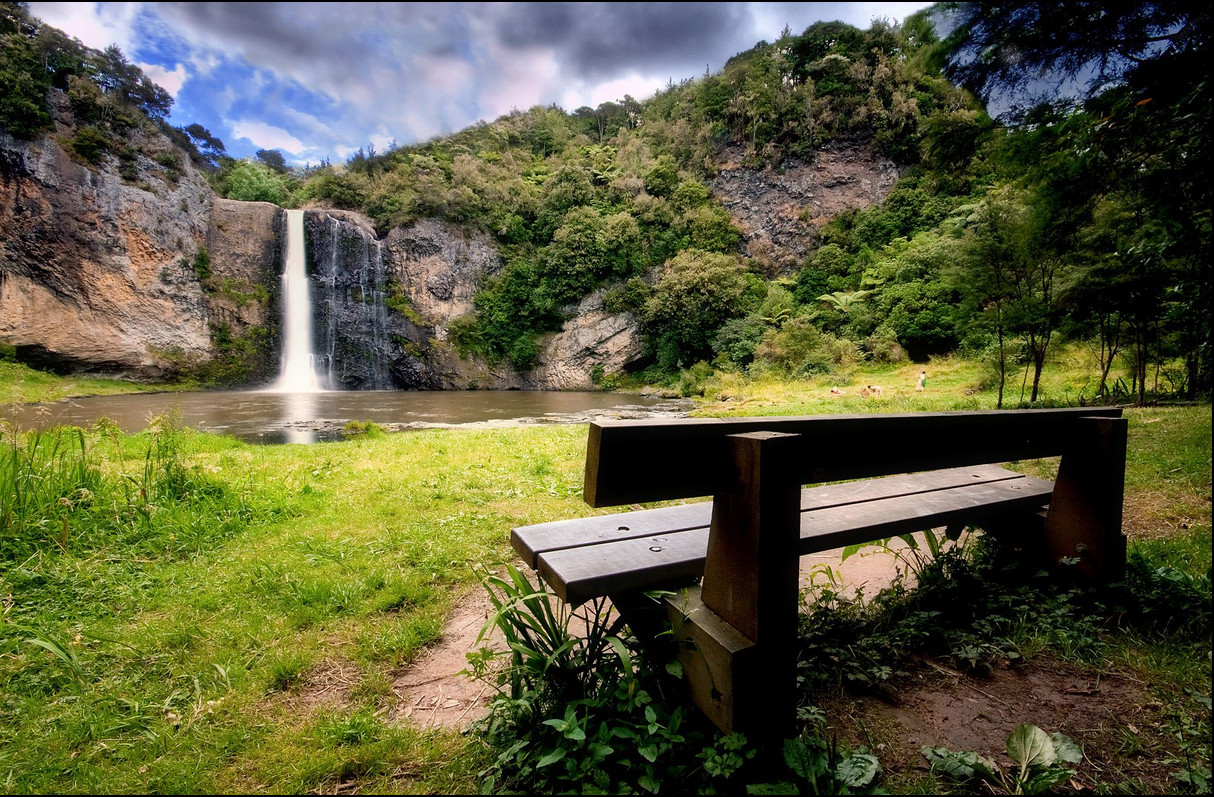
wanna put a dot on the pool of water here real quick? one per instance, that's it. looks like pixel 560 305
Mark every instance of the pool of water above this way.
pixel 264 417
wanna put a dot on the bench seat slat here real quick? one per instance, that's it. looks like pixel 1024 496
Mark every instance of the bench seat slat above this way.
pixel 532 541
pixel 662 560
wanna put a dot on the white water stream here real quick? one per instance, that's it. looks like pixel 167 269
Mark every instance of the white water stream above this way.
pixel 298 374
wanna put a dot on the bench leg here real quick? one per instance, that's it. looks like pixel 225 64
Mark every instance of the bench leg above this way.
pixel 738 632
pixel 1084 518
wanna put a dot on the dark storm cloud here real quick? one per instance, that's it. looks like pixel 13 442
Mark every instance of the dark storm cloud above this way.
pixel 325 78
pixel 604 39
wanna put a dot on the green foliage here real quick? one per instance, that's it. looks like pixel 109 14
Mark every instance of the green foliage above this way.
pixel 340 190
pixel 202 264
pixel 250 181
pixel 737 340
pixel 588 712
pixel 239 358
pixel 106 90
pixel 626 297
pixel 575 711
pixel 799 348
pixel 398 301
pixel 362 429
pixel 90 144
pixel 818 766
pixel 23 110
pixel 54 497
pixel 663 177
pixel 698 292
pixel 1039 762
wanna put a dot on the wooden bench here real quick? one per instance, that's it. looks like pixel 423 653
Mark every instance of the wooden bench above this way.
pixel 734 560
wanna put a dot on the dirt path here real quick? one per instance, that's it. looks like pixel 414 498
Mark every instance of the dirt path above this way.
pixel 931 706
pixel 432 692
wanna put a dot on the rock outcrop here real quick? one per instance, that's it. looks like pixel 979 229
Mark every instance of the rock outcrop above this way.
pixel 382 308
pixel 96 274
pixel 107 270
pixel 593 342
pixel 781 211
pixel 243 291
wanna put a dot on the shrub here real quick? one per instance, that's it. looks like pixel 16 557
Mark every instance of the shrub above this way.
pixel 90 144
pixel 698 292
pixel 800 348
pixel 255 182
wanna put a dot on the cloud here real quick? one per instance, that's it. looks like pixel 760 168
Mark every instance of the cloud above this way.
pixel 266 136
pixel 97 25
pixel 378 72
pixel 170 81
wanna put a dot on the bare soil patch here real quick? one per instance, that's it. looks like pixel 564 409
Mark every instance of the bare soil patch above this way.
pixel 1111 716
pixel 432 692
pixel 325 686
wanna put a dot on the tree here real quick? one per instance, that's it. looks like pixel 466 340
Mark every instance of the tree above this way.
pixel 117 76
pixel 995 242
pixel 697 293
pixel 209 147
pixel 1021 54
pixel 272 158
pixel 1142 71
pixel 255 182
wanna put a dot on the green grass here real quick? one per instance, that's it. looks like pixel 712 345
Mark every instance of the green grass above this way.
pixel 193 647
pixel 182 607
pixel 21 384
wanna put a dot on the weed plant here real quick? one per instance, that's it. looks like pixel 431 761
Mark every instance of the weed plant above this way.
pixel 582 708
pixel 976 604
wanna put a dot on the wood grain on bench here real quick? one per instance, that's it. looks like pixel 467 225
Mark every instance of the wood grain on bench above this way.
pixel 649 549
pixel 659 460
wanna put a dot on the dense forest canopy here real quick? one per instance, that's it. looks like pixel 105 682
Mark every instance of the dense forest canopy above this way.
pixel 1082 212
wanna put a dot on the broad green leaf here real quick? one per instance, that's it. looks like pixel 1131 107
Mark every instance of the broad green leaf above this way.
pixel 649 752
pixel 649 783
pixel 1066 749
pixel 1030 746
pixel 675 669
pixel 1046 779
pixel 551 758
pixel 807 763
pixel 961 767
pixel 858 771
pixel 851 550
pixel 621 651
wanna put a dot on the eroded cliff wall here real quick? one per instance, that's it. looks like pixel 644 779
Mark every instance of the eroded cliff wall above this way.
pixel 138 270
pixel 132 269
pixel 382 307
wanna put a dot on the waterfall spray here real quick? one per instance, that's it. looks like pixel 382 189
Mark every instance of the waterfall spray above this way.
pixel 298 374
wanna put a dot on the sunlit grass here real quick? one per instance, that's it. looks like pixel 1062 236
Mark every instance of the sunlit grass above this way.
pixel 20 384
pixel 194 626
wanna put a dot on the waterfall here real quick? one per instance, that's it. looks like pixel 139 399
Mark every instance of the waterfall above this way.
pixel 297 374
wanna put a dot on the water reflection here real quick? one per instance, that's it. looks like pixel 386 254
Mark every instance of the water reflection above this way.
pixel 298 406
pixel 265 417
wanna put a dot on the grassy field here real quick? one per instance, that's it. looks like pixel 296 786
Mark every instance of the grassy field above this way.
pixel 20 384
pixel 167 594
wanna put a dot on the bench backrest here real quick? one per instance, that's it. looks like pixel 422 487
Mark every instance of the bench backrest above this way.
pixel 658 460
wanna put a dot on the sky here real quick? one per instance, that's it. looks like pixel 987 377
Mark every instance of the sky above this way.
pixel 321 80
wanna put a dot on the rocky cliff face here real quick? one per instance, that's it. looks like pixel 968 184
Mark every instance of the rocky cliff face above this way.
pixel 781 211
pixel 138 270
pixel 382 308
pixel 96 274
pixel 105 270
pixel 243 293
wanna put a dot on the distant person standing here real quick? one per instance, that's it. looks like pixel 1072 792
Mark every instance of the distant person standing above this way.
pixel 922 381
